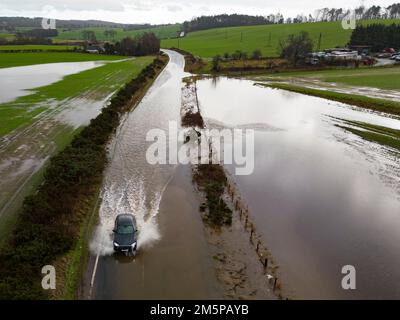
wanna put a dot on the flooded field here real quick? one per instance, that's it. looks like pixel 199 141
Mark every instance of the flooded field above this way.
pixel 321 197
pixel 16 82
pixel 25 150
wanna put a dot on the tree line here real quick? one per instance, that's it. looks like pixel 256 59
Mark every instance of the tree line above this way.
pixel 323 14
pixel 222 20
pixel 33 36
pixel 141 45
pixel 378 36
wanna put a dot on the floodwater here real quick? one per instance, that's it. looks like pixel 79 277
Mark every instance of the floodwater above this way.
pixel 172 260
pixel 321 197
pixel 16 82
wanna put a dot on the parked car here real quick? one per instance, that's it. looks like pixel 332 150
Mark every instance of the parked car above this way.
pixel 384 55
pixel 125 234
pixel 394 55
pixel 397 58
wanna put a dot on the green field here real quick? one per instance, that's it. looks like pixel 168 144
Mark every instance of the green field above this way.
pixel 210 42
pixel 36 47
pixel 7 36
pixel 382 78
pixel 163 32
pixel 8 60
pixel 95 83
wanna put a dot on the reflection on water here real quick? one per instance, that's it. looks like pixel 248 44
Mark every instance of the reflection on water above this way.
pixel 321 197
pixel 14 82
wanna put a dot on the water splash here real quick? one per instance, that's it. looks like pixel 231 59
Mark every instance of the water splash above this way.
pixel 127 198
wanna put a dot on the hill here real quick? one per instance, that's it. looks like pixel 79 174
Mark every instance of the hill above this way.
pixel 73 29
pixel 207 43
pixel 24 22
pixel 162 31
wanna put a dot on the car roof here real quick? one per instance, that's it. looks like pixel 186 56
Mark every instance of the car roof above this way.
pixel 126 218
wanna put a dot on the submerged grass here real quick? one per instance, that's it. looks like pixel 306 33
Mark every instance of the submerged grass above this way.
pixel 381 105
pixel 386 77
pixel 374 133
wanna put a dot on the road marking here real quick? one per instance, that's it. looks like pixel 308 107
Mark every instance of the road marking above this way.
pixel 93 275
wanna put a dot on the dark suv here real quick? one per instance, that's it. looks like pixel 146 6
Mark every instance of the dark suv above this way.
pixel 125 233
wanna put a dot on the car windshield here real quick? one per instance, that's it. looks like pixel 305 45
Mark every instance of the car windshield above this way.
pixel 125 229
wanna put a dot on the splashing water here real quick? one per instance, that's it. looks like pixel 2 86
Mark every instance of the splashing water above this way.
pixel 128 198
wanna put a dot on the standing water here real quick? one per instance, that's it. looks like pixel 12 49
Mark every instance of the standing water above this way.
pixel 321 197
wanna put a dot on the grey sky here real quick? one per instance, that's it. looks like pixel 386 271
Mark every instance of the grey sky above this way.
pixel 166 11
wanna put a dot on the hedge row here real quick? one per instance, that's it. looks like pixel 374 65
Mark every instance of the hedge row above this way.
pixel 49 223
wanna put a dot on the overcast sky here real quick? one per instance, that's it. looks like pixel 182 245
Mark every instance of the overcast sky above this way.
pixel 166 11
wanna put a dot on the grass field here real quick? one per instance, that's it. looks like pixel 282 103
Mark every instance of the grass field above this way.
pixel 210 42
pixel 100 81
pixel 162 32
pixel 8 60
pixel 36 47
pixel 7 36
pixel 382 78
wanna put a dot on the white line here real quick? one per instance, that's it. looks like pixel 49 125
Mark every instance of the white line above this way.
pixel 94 273
pixel 94 270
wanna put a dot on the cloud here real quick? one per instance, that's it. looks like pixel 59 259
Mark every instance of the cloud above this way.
pixel 174 8
pixel 204 9
pixel 63 5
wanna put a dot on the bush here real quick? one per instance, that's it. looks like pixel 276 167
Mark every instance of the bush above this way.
pixel 296 47
pixel 257 54
pixel 211 178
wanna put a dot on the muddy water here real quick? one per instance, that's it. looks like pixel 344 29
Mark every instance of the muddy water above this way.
pixel 16 81
pixel 321 197
pixel 172 259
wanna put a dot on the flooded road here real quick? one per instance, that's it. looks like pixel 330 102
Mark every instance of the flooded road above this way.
pixel 321 197
pixel 172 260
